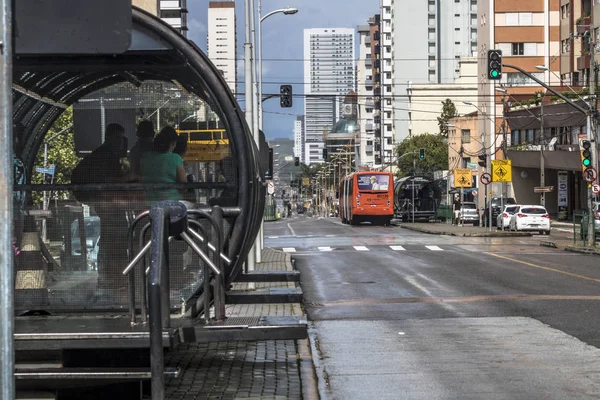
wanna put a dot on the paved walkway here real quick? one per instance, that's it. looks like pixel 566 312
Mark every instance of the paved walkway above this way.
pixel 246 370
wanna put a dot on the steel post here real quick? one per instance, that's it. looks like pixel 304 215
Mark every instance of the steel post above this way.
pixel 7 383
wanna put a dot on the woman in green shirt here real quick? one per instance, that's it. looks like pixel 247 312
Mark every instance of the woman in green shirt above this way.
pixel 163 166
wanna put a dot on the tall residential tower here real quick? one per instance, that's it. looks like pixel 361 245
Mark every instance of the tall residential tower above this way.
pixel 440 33
pixel 222 40
pixel 329 75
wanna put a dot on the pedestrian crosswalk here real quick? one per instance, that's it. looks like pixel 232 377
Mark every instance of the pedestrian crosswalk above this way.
pixel 395 248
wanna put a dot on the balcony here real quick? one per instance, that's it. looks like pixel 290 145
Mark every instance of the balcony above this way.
pixel 377 49
pixel 583 24
pixel 369 127
pixel 377 78
pixel 368 62
pixel 376 35
pixel 369 148
pixel 583 62
pixel 377 91
pixel 377 64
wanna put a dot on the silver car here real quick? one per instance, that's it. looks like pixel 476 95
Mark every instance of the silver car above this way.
pixel 468 213
pixel 503 219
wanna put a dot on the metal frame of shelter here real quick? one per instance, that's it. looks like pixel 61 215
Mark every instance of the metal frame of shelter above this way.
pixel 35 90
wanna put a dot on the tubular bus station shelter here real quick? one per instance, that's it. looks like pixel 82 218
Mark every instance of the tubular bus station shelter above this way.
pixel 108 271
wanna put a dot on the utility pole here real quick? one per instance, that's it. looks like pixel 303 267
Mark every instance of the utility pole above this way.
pixel 542 161
pixel 249 100
pixel 591 136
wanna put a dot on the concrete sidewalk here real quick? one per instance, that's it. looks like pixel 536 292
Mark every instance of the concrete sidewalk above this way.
pixel 436 228
pixel 281 369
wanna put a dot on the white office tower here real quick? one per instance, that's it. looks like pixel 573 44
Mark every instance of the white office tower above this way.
pixel 364 89
pixel 222 40
pixel 299 138
pixel 426 41
pixel 329 75
pixel 174 12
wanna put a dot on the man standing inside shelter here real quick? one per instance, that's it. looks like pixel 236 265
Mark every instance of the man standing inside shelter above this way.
pixel 104 165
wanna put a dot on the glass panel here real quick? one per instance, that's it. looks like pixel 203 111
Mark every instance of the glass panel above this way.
pixel 131 146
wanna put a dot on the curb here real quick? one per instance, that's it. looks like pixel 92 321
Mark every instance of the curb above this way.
pixel 548 244
pixel 582 250
pixel 308 371
pixel 486 234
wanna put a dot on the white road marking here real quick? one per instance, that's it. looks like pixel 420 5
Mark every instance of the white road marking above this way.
pixel 397 248
pixel 329 235
pixel 272 237
pixel 361 248
pixel 291 229
pixel 434 248
pixel 289 250
pixel 326 248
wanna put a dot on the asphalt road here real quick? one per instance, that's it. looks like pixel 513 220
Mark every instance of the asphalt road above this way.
pixel 402 315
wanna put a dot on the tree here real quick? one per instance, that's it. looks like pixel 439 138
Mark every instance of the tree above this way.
pixel 448 112
pixel 436 155
pixel 61 153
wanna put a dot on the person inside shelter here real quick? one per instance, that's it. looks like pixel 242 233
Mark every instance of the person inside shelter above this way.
pixel 107 164
pixel 162 165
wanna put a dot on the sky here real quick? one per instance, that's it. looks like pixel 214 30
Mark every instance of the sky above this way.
pixel 283 48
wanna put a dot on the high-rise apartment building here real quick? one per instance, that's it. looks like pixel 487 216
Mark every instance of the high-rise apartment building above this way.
pixel 147 5
pixel 174 12
pixel 299 138
pixel 528 33
pixel 364 89
pixel 329 75
pixel 440 33
pixel 221 39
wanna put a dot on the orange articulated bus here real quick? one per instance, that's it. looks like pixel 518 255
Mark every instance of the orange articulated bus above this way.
pixel 367 196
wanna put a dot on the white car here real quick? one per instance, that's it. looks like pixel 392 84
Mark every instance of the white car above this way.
pixel 530 218
pixel 503 219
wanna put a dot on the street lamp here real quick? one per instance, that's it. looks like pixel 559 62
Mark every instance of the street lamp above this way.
pixel 284 11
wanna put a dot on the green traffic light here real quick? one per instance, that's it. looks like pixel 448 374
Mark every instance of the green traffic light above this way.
pixel 494 74
pixel 586 162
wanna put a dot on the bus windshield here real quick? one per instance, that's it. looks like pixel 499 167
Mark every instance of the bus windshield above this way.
pixel 370 182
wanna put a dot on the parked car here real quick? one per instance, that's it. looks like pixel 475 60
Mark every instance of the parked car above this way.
pixel 467 213
pixel 92 238
pixel 503 219
pixel 584 223
pixel 496 203
pixel 530 218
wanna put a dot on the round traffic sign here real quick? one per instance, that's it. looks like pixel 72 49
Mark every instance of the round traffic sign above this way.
pixel 595 188
pixel 485 178
pixel 270 187
pixel 590 175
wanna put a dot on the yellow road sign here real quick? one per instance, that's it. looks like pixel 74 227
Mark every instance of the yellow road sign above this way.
pixel 463 177
pixel 501 171
pixel 305 181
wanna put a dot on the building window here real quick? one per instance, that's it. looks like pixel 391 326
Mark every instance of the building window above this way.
pixel 566 46
pixel 517 49
pixel 465 135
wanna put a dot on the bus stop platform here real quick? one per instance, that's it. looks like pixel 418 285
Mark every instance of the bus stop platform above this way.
pixel 267 369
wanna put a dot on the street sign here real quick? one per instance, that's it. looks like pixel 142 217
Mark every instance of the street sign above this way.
pixel 501 171
pixel 590 175
pixel 463 177
pixel 485 178
pixel 305 181
pixel 595 188
pixel 543 189
pixel 270 187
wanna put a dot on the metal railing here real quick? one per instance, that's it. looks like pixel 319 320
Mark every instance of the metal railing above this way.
pixel 168 220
